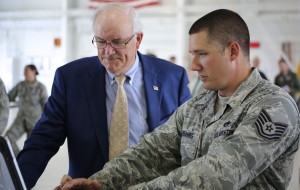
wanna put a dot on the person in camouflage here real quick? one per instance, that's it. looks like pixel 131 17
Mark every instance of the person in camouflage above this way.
pixel 287 79
pixel 241 132
pixel 4 107
pixel 32 96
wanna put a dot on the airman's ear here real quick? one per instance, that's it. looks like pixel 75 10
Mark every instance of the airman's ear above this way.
pixel 235 50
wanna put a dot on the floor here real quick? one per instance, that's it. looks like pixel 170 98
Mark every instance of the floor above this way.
pixel 58 166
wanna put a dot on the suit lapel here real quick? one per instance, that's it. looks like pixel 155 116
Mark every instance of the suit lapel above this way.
pixel 96 97
pixel 153 90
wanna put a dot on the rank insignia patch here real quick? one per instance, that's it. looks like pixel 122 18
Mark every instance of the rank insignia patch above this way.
pixel 268 129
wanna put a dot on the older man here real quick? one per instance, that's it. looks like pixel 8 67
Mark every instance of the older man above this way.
pixel 99 113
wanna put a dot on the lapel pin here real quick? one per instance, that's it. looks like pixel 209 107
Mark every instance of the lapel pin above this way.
pixel 155 88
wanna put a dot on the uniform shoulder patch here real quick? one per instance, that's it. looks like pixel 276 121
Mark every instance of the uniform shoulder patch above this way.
pixel 267 129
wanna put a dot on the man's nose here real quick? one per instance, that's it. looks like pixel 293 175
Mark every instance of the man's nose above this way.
pixel 109 49
pixel 195 65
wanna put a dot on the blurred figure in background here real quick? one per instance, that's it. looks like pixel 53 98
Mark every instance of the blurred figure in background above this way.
pixel 4 107
pixel 287 79
pixel 172 59
pixel 256 63
pixel 151 54
pixel 31 96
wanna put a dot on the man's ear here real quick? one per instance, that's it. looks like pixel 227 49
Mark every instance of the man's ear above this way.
pixel 235 50
pixel 139 38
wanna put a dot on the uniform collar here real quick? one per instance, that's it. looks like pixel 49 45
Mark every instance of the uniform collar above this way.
pixel 31 84
pixel 245 88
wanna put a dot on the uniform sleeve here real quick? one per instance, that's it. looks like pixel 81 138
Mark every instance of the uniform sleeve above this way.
pixel 156 155
pixel 4 107
pixel 12 94
pixel 43 95
pixel 266 134
pixel 296 85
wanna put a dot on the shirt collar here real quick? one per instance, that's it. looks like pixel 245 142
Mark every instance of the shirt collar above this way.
pixel 130 73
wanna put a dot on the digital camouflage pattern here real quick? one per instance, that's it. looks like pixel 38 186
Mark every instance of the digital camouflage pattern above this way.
pixel 31 99
pixel 4 107
pixel 290 81
pixel 249 145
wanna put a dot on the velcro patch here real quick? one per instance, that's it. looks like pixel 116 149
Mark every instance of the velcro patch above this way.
pixel 268 129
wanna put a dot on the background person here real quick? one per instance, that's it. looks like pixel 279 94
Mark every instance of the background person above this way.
pixel 31 96
pixel 287 79
pixel 242 132
pixel 83 95
pixel 172 59
pixel 4 107
pixel 256 63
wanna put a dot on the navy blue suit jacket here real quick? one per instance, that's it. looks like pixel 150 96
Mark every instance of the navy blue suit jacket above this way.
pixel 76 110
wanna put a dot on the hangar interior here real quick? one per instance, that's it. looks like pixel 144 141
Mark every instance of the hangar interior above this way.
pixel 52 33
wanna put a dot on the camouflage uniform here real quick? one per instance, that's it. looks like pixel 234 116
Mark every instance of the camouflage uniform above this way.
pixel 249 145
pixel 4 107
pixel 290 81
pixel 31 100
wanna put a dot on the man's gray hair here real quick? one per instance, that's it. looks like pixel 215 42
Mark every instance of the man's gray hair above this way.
pixel 136 22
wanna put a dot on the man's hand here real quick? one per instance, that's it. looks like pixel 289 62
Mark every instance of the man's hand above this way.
pixel 67 183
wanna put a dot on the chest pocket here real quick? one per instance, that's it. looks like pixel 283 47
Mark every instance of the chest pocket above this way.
pixel 223 127
pixel 228 123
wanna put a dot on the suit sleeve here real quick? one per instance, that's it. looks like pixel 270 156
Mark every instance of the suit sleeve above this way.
pixel 184 91
pixel 47 136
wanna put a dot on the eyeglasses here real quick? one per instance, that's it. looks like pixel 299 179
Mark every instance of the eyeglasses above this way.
pixel 117 44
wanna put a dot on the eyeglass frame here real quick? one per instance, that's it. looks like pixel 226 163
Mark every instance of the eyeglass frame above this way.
pixel 125 42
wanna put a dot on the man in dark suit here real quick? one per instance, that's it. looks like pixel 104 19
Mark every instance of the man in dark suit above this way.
pixel 84 91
